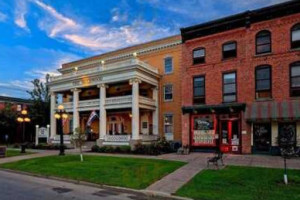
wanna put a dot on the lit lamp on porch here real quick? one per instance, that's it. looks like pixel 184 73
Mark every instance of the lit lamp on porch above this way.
pixel 61 114
pixel 22 119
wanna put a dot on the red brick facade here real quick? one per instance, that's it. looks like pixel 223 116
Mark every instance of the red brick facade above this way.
pixel 244 65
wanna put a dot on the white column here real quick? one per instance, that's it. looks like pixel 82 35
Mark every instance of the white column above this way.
pixel 52 112
pixel 102 123
pixel 135 109
pixel 155 113
pixel 75 108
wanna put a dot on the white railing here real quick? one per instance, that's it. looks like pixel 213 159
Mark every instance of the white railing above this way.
pixel 118 100
pixel 117 138
pixel 149 137
pixel 147 101
pixel 89 103
pixel 106 67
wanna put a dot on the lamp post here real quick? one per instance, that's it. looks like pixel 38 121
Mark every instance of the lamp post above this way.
pixel 23 118
pixel 61 114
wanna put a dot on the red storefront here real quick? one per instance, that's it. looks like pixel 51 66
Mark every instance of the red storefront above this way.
pixel 217 127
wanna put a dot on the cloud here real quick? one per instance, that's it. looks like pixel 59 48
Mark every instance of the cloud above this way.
pixel 20 12
pixel 117 16
pixel 31 64
pixel 100 37
pixel 3 17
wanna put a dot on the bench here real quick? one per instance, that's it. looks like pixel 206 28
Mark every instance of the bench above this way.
pixel 2 152
pixel 215 160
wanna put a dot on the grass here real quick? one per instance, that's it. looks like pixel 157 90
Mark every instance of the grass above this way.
pixel 247 183
pixel 12 153
pixel 124 172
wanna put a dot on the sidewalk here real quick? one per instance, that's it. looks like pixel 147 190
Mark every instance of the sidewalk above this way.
pixel 29 156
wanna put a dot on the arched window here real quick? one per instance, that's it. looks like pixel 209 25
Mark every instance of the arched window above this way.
pixel 295 36
pixel 229 50
pixel 263 82
pixel 199 55
pixel 263 42
pixel 295 79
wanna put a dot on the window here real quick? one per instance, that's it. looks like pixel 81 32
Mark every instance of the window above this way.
pixel 295 36
pixel 287 131
pixel 263 82
pixel 168 126
pixel 229 50
pixel 295 79
pixel 263 42
pixel 229 87
pixel 168 92
pixel 199 90
pixel 168 65
pixel 199 56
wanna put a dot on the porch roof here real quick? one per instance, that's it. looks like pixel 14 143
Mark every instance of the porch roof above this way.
pixel 271 110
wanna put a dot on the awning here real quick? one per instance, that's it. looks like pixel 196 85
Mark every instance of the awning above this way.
pixel 220 108
pixel 266 111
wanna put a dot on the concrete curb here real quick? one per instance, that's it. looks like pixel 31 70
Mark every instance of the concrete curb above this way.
pixel 148 193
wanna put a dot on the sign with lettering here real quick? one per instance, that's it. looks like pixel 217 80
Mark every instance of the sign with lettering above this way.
pixel 203 132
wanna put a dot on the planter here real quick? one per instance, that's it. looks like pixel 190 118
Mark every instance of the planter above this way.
pixel 2 151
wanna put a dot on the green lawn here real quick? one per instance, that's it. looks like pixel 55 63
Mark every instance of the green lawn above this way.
pixel 11 153
pixel 246 183
pixel 125 172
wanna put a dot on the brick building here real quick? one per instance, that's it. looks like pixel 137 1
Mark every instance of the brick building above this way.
pixel 16 104
pixel 240 84
pixel 135 92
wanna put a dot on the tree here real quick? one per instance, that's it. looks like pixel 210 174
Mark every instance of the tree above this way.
pixel 8 122
pixel 40 110
pixel 78 139
pixel 287 145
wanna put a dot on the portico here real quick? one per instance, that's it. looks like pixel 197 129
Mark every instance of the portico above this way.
pixel 124 94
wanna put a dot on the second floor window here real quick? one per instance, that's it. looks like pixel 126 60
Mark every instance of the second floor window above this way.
pixel 168 92
pixel 295 79
pixel 229 87
pixel 229 50
pixel 295 37
pixel 263 82
pixel 199 90
pixel 199 56
pixel 263 42
pixel 168 65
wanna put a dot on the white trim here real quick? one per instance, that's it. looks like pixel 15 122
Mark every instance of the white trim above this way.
pixel 122 56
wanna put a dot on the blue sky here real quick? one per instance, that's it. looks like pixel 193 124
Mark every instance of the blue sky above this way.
pixel 37 36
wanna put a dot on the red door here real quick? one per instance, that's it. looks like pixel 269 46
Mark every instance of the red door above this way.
pixel 230 136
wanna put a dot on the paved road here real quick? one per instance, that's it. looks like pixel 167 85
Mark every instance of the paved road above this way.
pixel 16 187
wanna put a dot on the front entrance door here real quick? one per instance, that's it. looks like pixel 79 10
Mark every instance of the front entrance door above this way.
pixel 262 138
pixel 230 136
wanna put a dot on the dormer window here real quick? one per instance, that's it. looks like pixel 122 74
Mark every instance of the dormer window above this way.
pixel 199 56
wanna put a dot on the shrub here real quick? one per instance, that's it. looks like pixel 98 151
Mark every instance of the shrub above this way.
pixel 95 148
pixel 125 149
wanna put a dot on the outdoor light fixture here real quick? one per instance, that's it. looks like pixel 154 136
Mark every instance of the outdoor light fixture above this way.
pixel 76 68
pixel 63 115
pixel 130 115
pixel 134 54
pixel 23 118
pixel 102 62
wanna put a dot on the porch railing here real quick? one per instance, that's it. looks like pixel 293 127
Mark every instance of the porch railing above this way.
pixel 118 100
pixel 149 137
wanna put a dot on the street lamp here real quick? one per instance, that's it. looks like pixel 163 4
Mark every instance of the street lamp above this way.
pixel 61 114
pixel 23 118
